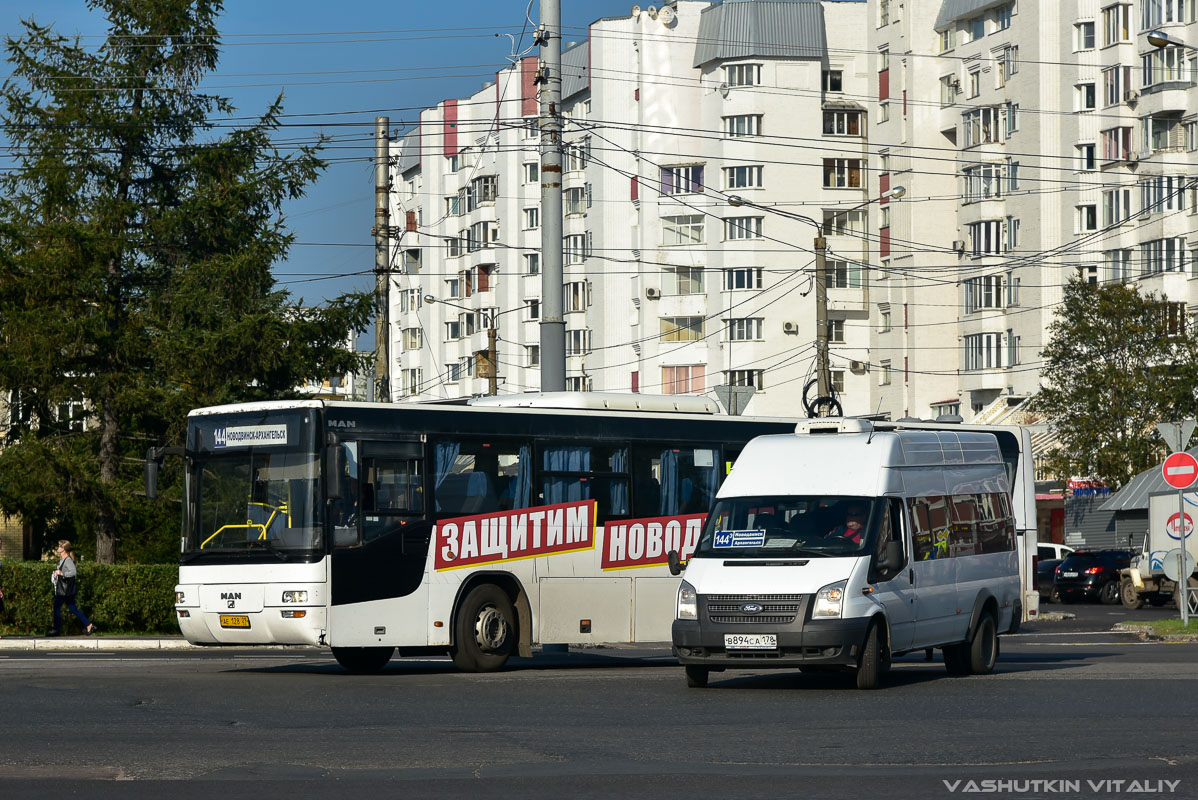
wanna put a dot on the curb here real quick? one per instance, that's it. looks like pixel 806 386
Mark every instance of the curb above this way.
pixel 1052 616
pixel 27 643
pixel 1148 633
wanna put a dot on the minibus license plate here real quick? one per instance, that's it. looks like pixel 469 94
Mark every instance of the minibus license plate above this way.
pixel 750 641
pixel 1068 574
pixel 234 621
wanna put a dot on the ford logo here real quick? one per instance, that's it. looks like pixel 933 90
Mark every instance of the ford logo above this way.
pixel 751 608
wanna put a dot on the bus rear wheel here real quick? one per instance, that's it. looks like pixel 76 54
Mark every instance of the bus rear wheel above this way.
pixel 484 630
pixel 363 660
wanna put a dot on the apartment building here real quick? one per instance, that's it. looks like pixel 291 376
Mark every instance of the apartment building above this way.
pixel 706 144
pixel 1037 142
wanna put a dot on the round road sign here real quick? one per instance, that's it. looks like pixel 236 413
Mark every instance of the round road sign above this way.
pixel 1180 470
pixel 1171 562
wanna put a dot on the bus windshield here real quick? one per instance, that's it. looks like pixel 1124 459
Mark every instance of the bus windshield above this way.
pixel 255 499
pixel 785 525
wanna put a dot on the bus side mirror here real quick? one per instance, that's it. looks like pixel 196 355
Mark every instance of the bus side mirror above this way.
pixel 675 562
pixel 334 472
pixel 151 475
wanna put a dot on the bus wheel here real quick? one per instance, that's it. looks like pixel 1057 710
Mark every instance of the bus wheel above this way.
pixel 983 649
pixel 485 630
pixel 874 659
pixel 696 677
pixel 363 660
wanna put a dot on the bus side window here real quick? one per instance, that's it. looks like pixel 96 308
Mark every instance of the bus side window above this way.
pixel 393 493
pixel 572 473
pixel 481 477
pixel 670 479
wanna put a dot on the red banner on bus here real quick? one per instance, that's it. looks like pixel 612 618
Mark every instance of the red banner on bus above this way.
pixel 510 535
pixel 645 542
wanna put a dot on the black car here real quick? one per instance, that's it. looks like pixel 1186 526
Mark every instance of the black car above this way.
pixel 1045 575
pixel 1091 575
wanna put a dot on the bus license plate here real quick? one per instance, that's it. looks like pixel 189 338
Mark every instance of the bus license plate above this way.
pixel 750 641
pixel 234 622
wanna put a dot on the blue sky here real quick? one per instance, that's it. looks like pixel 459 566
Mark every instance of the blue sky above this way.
pixel 344 63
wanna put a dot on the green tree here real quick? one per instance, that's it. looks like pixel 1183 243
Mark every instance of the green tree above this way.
pixel 137 233
pixel 1117 363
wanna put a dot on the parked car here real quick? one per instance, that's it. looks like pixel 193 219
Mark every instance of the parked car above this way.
pixel 1045 577
pixel 1049 551
pixel 1091 575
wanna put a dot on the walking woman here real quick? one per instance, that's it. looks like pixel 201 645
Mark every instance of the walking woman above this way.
pixel 66 586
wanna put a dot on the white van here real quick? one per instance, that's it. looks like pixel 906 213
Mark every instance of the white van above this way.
pixel 843 545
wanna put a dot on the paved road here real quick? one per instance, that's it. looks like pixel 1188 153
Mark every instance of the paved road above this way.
pixel 1065 705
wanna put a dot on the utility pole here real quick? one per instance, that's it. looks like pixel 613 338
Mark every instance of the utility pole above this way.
pixel 492 358
pixel 382 260
pixel 553 323
pixel 823 374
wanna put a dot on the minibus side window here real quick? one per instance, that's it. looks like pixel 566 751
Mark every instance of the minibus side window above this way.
pixel 891 530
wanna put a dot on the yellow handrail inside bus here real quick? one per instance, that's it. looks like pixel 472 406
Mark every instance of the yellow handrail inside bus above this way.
pixel 262 527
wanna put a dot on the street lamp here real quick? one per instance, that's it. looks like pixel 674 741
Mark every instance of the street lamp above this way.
pixel 1163 39
pixel 492 333
pixel 824 398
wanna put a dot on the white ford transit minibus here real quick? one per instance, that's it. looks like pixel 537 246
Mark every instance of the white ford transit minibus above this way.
pixel 846 544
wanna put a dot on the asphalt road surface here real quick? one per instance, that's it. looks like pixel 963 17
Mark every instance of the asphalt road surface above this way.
pixel 1071 707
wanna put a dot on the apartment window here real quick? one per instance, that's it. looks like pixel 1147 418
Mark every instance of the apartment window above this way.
pixel 746 177
pixel 742 278
pixel 985 292
pixel 1191 136
pixel 980 126
pixel 453 372
pixel 532 172
pixel 1161 133
pixel 842 173
pixel 1012 282
pixel 1116 143
pixel 532 355
pixel 883 13
pixel 576 249
pixel 884 321
pixel 1086 158
pixel 577 154
pixel 453 330
pixel 833 80
pixel 1116 206
pixel 982 182
pixel 1118 265
pixel 1086 98
pixel 453 206
pixel 409 300
pixel 742 74
pixel 532 218
pixel 483 189
pixel 532 310
pixel 742 125
pixel 681 329
pixel 883 112
pixel 682 230
pixel 578 342
pixel 1012 175
pixel 453 288
pixel 835 330
pixel 1154 13
pixel 742 228
pixel 744 377
pixel 1008 63
pixel 844 223
pixel 1116 84
pixel 683 380
pixel 532 263
pixel 682 180
pixel 1087 218
pixel 1012 234
pixel 578 383
pixel 976 27
pixel 1013 344
pixel 884 373
pixel 413 338
pixel 575 200
pixel 1162 193
pixel 1163 255
pixel 1162 65
pixel 466 366
pixel 986 237
pixel 843 123
pixel 1083 35
pixel 983 351
pixel 682 280
pixel 577 296
pixel 1116 24
pixel 950 85
pixel 844 274
pixel 1088 273
pixel 1002 16
pixel 973 83
pixel 453 247
pixel 411 380
pixel 743 330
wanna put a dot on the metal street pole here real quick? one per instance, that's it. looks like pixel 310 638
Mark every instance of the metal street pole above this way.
pixel 553 323
pixel 382 261
pixel 493 359
pixel 823 374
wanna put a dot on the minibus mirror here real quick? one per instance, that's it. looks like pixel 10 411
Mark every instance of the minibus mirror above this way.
pixel 675 562
pixel 334 472
pixel 892 556
pixel 151 475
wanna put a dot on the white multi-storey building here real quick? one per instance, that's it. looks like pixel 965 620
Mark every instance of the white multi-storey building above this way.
pixel 1037 142
pixel 669 286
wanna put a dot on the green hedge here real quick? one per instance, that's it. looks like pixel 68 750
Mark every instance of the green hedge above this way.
pixel 125 598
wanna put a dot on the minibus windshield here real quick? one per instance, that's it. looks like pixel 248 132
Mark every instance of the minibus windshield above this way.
pixel 777 525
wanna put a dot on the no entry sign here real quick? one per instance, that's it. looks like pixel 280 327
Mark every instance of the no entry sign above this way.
pixel 1180 470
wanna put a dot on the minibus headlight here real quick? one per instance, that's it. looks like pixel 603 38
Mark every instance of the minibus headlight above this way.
pixel 295 596
pixel 688 602
pixel 828 600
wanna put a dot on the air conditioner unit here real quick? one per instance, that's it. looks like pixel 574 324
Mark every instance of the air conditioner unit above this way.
pixel 858 367
pixel 959 245
pixel 1133 157
pixel 1131 95
pixel 790 327
pixel 652 293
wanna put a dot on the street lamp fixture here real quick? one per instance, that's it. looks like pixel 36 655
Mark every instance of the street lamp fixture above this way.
pixel 1163 39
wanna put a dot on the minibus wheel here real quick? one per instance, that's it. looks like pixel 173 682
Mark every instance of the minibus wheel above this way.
pixel 484 630
pixel 983 648
pixel 696 676
pixel 363 660
pixel 873 660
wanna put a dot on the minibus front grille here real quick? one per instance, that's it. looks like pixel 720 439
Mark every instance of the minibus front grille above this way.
pixel 776 609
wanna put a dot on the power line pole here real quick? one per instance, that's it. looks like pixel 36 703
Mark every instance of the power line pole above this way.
pixel 382 261
pixel 823 374
pixel 549 77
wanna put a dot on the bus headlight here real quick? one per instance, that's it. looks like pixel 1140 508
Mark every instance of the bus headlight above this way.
pixel 180 598
pixel 688 602
pixel 295 596
pixel 828 600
